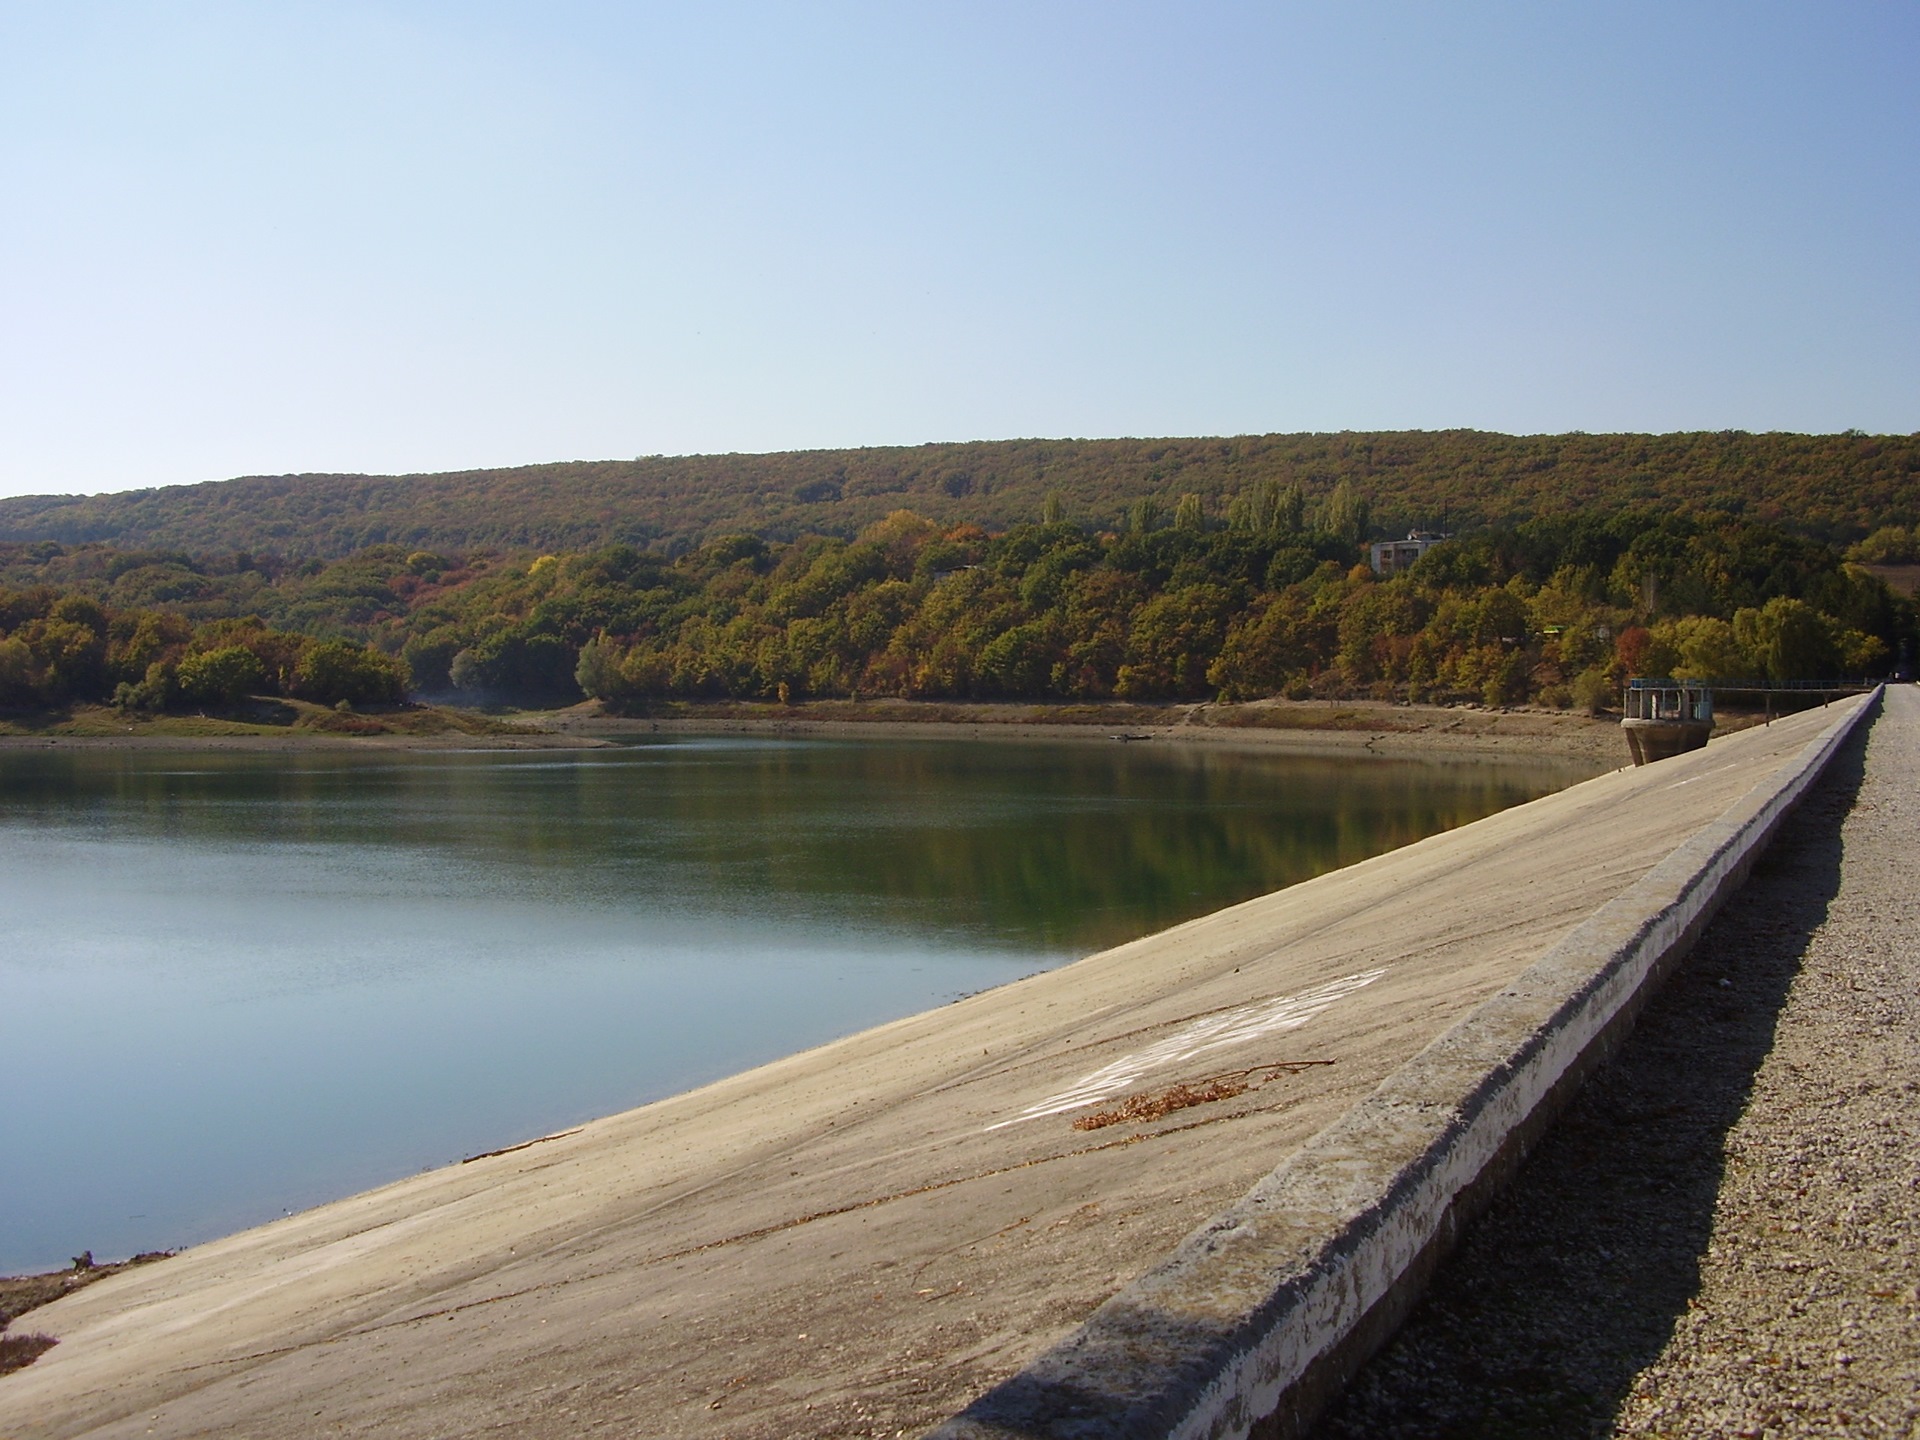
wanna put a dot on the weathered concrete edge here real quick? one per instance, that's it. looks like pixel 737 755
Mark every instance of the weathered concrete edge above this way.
pixel 1265 1310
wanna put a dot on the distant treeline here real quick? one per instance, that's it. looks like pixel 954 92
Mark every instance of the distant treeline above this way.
pixel 58 649
pixel 1831 487
pixel 1270 597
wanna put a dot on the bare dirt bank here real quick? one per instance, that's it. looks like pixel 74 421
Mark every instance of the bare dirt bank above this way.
pixel 301 741
pixel 277 724
pixel 1309 725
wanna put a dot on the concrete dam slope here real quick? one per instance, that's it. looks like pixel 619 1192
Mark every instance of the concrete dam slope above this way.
pixel 961 1209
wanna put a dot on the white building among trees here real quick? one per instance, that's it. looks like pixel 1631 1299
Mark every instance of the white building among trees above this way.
pixel 1390 557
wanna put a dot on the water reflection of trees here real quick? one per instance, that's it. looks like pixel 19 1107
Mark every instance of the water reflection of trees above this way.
pixel 1062 845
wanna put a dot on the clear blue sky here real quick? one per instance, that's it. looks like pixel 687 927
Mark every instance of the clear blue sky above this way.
pixel 282 236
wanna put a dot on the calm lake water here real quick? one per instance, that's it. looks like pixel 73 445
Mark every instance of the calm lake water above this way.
pixel 233 985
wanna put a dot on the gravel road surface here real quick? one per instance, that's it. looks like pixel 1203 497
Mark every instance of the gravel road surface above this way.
pixel 1722 1237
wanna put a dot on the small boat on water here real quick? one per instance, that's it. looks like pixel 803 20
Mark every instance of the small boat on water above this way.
pixel 1666 717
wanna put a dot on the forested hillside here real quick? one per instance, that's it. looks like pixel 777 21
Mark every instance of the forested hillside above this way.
pixel 1830 487
pixel 1272 599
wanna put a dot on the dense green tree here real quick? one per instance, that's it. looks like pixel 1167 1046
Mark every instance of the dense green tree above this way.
pixel 1347 516
pixel 1889 545
pixel 19 677
pixel 337 670
pixel 218 677
pixel 1791 640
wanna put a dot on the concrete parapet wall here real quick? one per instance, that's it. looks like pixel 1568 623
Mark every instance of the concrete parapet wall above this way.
pixel 1266 1309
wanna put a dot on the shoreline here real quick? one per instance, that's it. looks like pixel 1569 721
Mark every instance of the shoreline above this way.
pixel 300 741
pixel 1600 744
pixel 1306 726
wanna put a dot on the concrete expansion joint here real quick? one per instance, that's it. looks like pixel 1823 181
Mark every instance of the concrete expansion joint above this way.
pixel 1261 1313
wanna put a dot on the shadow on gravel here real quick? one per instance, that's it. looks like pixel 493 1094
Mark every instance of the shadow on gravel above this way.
pixel 1572 1283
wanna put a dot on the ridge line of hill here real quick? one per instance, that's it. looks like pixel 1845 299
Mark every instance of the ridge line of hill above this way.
pixel 1830 487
